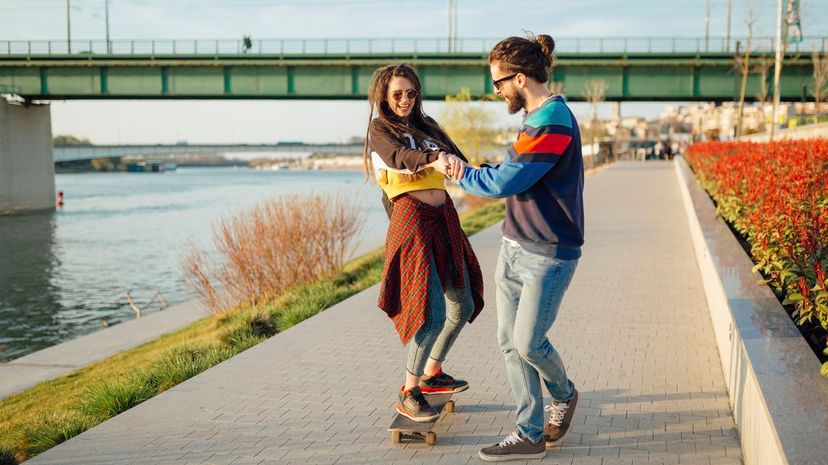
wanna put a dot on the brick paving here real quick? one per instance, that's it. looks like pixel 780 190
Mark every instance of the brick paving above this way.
pixel 634 332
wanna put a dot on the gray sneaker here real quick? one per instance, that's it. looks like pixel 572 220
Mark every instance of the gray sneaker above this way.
pixel 560 420
pixel 514 447
pixel 415 406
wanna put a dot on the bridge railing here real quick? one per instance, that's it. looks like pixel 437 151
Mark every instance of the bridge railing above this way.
pixel 298 47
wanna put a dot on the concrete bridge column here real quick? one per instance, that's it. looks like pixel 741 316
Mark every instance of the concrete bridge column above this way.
pixel 27 168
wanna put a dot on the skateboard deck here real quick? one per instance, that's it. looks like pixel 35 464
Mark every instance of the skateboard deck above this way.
pixel 404 428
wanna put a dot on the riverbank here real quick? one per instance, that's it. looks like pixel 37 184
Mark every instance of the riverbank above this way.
pixel 53 411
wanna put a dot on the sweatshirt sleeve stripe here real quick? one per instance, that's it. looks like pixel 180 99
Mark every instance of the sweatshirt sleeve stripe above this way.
pixel 554 144
pixel 506 179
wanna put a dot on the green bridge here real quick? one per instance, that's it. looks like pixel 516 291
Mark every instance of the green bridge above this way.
pixel 635 69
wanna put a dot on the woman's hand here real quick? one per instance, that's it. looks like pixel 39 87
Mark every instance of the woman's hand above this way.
pixel 441 164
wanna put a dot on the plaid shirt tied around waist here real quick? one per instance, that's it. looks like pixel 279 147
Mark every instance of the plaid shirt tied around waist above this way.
pixel 417 232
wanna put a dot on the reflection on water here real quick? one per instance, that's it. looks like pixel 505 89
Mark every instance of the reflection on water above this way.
pixel 62 274
pixel 27 263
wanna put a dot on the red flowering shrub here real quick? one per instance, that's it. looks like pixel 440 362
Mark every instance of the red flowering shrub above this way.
pixel 776 196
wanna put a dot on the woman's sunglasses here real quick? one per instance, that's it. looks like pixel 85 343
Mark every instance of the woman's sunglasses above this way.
pixel 398 94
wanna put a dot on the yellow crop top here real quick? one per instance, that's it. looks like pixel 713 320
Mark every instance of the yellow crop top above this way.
pixel 394 185
pixel 395 180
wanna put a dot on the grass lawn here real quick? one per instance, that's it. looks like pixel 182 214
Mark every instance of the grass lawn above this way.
pixel 51 412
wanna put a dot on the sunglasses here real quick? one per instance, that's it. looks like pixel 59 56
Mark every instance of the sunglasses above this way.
pixel 398 94
pixel 497 83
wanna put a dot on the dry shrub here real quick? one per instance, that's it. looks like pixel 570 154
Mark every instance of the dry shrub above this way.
pixel 275 245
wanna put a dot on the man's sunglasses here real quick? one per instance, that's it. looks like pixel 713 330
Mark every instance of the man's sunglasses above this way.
pixel 500 81
pixel 398 94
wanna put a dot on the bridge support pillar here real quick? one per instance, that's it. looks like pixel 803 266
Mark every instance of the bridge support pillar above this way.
pixel 27 167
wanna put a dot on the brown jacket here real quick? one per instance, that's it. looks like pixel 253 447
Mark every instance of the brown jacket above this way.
pixel 403 153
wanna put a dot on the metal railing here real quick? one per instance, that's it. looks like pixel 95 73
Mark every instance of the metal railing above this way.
pixel 298 47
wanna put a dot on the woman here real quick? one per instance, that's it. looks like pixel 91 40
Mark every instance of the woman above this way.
pixel 427 255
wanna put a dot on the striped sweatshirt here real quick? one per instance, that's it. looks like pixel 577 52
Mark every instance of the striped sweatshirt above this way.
pixel 542 179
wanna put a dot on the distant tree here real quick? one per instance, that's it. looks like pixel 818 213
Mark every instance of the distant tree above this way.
pixel 66 139
pixel 471 127
pixel 820 81
pixel 743 62
pixel 762 68
pixel 557 88
pixel 594 92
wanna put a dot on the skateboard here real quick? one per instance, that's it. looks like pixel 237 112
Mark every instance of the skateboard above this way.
pixel 404 428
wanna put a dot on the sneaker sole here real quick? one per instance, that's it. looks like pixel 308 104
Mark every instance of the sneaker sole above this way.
pixel 559 441
pixel 506 458
pixel 452 391
pixel 402 412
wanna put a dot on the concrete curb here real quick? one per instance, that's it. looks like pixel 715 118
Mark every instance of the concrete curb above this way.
pixel 66 357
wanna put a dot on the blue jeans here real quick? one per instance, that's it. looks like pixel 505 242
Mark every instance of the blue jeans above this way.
pixel 530 288
pixel 448 311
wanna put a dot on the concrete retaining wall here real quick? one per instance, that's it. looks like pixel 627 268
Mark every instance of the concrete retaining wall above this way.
pixel 779 399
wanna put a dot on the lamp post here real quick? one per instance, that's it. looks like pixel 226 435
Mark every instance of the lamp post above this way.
pixel 452 25
pixel 106 13
pixel 729 13
pixel 707 28
pixel 68 28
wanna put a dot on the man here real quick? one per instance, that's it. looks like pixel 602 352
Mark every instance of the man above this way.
pixel 542 179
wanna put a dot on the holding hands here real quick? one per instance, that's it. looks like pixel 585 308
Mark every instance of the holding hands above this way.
pixel 450 165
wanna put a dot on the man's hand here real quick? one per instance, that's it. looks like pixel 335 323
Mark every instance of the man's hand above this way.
pixel 458 167
pixel 455 166
pixel 449 165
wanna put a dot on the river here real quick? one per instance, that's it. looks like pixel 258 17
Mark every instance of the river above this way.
pixel 64 273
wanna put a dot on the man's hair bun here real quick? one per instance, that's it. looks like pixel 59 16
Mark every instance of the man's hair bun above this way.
pixel 547 43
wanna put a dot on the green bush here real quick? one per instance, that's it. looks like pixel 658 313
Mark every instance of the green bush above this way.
pixel 182 363
pixel 113 397
pixel 253 329
pixel 49 430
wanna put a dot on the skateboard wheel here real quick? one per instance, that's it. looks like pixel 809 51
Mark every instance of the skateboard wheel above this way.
pixel 395 437
pixel 431 438
pixel 450 406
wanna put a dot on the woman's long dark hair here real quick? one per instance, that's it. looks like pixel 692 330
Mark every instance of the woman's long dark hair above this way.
pixel 419 124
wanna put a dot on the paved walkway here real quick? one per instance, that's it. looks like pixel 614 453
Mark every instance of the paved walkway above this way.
pixel 634 332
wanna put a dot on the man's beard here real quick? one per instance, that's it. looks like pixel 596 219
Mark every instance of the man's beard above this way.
pixel 515 103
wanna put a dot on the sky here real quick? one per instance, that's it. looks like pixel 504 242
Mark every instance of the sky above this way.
pixel 260 121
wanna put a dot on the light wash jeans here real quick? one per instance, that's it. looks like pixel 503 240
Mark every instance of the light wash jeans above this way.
pixel 530 288
pixel 446 316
